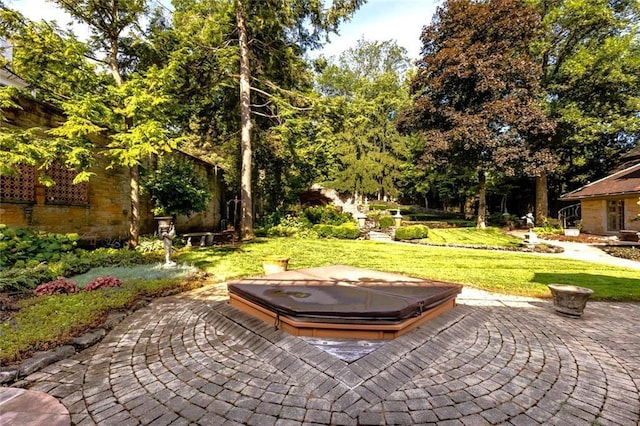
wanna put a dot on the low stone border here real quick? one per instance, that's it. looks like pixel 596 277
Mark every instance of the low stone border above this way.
pixel 39 360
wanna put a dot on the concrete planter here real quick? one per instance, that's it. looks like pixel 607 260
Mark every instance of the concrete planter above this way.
pixel 570 299
pixel 571 232
pixel 274 265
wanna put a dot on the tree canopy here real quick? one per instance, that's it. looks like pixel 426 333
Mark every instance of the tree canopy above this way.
pixel 476 93
pixel 366 90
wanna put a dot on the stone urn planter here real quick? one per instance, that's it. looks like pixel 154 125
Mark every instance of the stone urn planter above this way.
pixel 275 264
pixel 570 299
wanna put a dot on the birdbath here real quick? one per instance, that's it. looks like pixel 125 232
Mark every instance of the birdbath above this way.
pixel 570 299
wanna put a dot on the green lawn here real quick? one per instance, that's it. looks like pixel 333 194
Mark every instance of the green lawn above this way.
pixel 472 236
pixel 498 271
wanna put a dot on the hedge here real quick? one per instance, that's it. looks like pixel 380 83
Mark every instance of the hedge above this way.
pixel 346 231
pixel 412 232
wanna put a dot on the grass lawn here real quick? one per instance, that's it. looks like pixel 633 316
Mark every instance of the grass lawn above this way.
pixel 497 271
pixel 472 236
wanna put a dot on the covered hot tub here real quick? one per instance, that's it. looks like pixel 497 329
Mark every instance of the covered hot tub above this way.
pixel 343 302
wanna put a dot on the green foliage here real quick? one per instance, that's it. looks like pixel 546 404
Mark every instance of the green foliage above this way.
pixel 346 231
pixel 22 245
pixel 154 271
pixel 550 226
pixel 175 188
pixel 364 92
pixel 411 232
pixel 385 222
pixel 327 215
pixel 24 278
pixel 44 322
pixel 291 226
pixel 590 57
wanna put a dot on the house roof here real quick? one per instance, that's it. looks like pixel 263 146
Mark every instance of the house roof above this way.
pixel 623 182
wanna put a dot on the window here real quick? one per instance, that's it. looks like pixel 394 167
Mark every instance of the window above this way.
pixel 615 215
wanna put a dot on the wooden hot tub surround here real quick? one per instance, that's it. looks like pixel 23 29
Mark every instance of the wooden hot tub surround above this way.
pixel 343 302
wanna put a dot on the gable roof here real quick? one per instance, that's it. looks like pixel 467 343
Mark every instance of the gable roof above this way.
pixel 623 182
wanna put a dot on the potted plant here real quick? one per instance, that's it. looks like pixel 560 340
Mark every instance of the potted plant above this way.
pixel 275 264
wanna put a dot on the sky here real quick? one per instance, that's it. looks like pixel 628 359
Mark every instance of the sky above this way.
pixel 381 20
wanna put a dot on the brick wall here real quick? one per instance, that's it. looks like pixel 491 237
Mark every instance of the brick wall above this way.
pixel 106 214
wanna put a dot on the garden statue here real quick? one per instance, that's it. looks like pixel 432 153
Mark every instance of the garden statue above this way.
pixel 529 220
pixel 530 238
pixel 167 239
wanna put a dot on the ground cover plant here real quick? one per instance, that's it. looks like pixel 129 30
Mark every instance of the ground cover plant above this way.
pixel 22 278
pixel 496 271
pixel 42 323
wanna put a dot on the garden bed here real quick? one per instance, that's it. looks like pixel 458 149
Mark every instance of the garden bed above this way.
pixel 537 248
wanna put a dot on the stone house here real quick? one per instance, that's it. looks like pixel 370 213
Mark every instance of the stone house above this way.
pixel 610 205
pixel 96 210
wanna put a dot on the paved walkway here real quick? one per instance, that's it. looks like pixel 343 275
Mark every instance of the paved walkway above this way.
pixel 192 359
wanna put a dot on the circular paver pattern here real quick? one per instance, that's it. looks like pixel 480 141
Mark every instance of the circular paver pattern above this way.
pixel 193 359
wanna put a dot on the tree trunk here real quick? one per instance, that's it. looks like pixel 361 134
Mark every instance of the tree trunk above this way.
pixel 482 200
pixel 134 176
pixel 134 196
pixel 542 199
pixel 246 198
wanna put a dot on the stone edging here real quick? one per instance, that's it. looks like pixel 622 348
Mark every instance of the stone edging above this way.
pixel 39 360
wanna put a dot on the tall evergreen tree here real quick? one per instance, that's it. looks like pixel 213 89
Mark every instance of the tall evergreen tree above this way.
pixel 366 88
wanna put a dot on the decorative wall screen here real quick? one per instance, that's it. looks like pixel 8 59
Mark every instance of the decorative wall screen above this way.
pixel 21 188
pixel 64 191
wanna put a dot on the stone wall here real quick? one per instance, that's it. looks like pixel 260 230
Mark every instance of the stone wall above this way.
pixel 104 212
pixel 594 215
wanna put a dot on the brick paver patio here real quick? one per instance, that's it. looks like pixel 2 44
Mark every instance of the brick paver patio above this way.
pixel 192 359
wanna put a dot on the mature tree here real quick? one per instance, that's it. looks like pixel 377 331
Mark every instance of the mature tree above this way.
pixel 590 58
pixel 476 91
pixel 290 28
pixel 271 77
pixel 366 90
pixel 99 86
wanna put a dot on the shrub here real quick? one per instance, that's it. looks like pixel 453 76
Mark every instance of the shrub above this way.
pixel 291 226
pixel 412 232
pixel 347 231
pixel 385 222
pixel 175 188
pixel 327 215
pixel 25 245
pixel 58 286
pixel 103 282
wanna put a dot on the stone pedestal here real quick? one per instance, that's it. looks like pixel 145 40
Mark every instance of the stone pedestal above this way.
pixel 569 299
